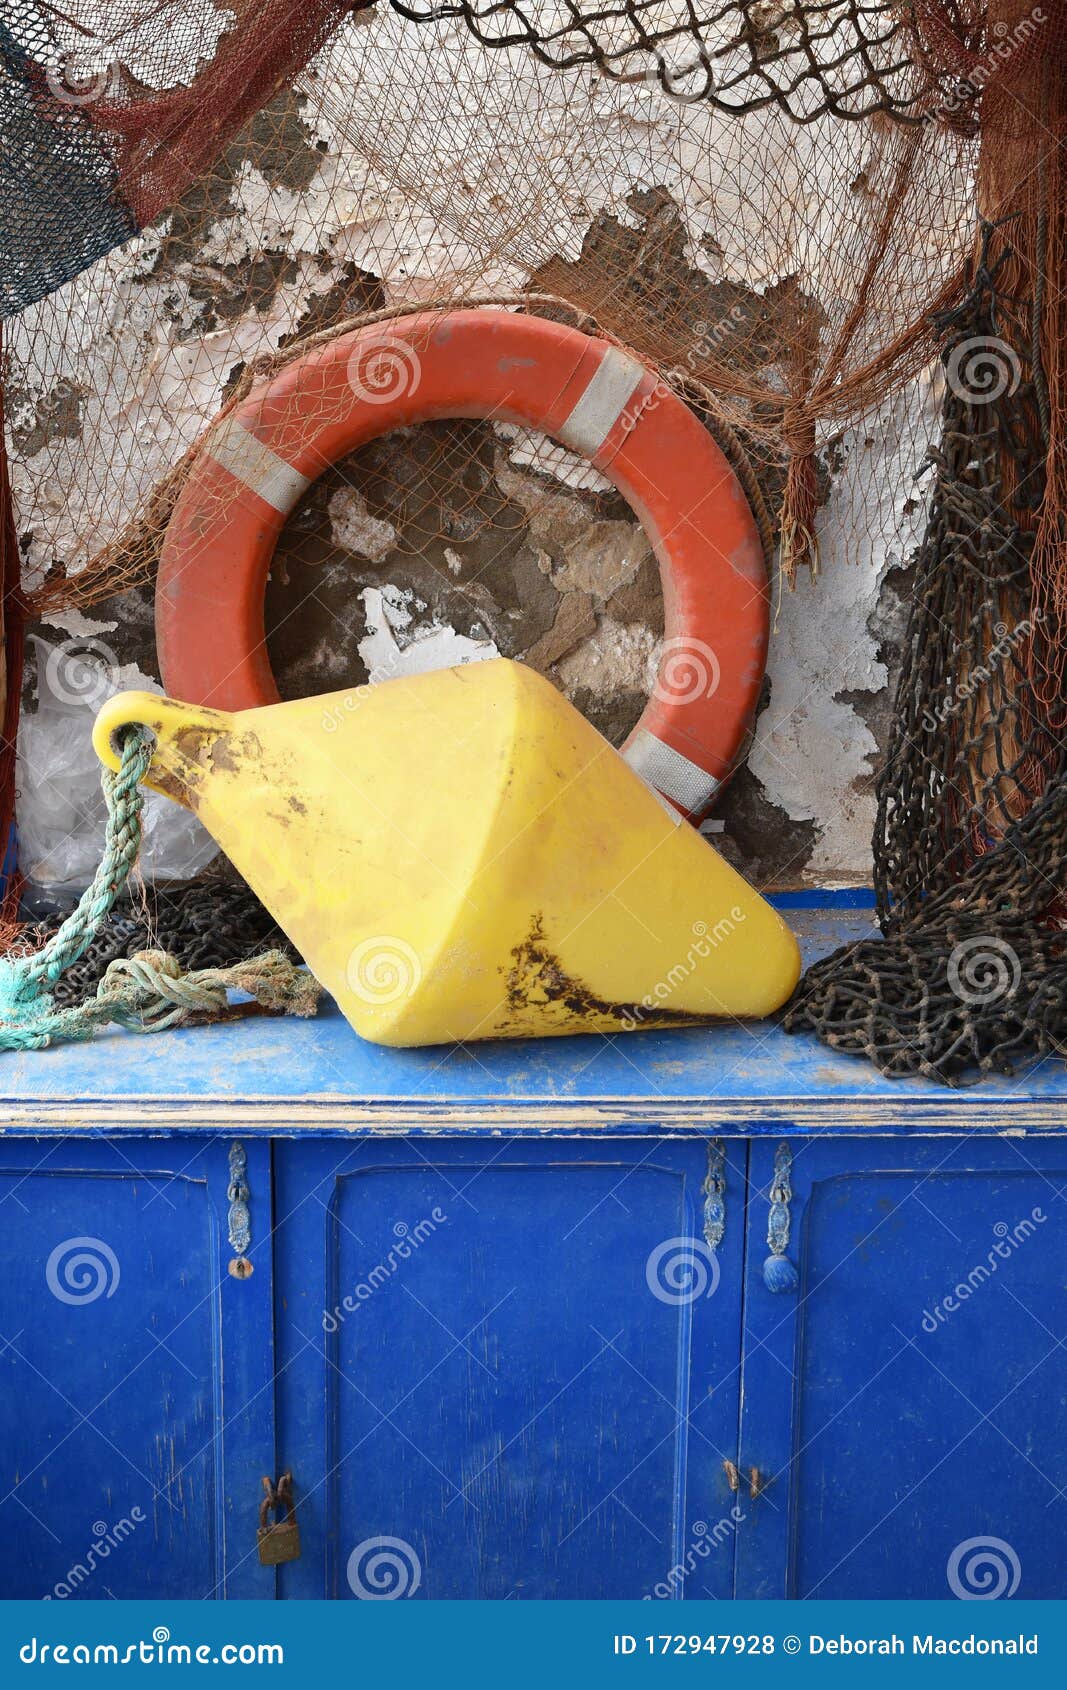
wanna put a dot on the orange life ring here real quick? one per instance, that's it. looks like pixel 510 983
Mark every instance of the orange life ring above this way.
pixel 586 393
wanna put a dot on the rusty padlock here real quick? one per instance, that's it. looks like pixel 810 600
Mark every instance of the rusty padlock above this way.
pixel 278 1540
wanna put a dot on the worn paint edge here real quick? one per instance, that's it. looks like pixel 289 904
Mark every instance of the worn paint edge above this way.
pixel 747 1120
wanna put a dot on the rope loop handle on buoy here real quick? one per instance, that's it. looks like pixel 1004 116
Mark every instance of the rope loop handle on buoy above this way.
pixel 147 992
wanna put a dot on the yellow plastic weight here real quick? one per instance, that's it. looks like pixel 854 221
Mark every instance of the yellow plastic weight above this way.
pixel 460 855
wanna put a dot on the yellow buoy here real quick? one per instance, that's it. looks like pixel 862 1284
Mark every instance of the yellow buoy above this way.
pixel 460 855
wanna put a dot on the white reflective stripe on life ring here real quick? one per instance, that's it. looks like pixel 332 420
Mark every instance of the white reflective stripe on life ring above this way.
pixel 251 462
pixel 614 383
pixel 667 770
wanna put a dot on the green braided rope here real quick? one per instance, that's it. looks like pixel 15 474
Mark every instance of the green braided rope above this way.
pixel 145 993
pixel 122 844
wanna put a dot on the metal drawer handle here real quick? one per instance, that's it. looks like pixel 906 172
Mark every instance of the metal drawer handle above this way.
pixel 779 1274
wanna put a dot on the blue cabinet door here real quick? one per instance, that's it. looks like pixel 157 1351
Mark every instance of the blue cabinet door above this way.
pixel 136 1412
pixel 905 1410
pixel 509 1369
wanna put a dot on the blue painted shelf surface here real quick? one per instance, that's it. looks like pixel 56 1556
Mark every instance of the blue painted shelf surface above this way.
pixel 283 1076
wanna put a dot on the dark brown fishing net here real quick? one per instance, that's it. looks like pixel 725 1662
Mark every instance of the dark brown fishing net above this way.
pixel 972 828
pixel 11 651
pixel 971 842
pixel 826 56
pixel 203 924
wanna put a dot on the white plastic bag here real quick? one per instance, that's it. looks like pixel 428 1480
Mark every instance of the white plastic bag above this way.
pixel 60 808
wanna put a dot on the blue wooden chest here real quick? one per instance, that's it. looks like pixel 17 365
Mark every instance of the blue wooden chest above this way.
pixel 502 1312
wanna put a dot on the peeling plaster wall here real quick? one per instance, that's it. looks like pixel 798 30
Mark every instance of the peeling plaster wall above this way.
pixel 365 586
pixel 819 736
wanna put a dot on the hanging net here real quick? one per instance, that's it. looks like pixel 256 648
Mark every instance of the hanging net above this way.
pixel 774 202
pixel 835 57
pixel 971 839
